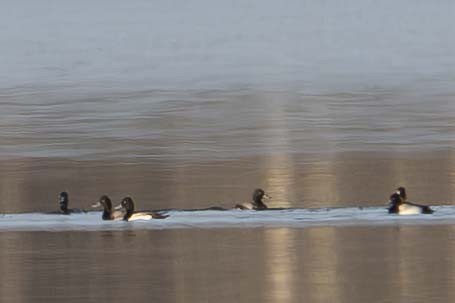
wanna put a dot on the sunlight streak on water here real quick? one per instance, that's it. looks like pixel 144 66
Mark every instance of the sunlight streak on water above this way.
pixel 325 282
pixel 280 275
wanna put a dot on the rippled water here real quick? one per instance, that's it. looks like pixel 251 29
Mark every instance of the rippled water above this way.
pixel 190 105
pixel 139 126
pixel 374 264
pixel 209 81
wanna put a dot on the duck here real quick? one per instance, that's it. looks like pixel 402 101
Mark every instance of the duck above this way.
pixel 127 206
pixel 257 202
pixel 63 200
pixel 109 214
pixel 398 206
pixel 401 191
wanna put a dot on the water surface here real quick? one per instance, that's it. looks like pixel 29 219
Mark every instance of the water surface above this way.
pixel 350 264
pixel 190 105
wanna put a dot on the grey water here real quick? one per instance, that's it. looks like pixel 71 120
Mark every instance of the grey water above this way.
pixel 190 105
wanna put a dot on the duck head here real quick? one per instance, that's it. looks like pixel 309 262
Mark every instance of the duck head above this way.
pixel 128 205
pixel 106 203
pixel 258 196
pixel 63 201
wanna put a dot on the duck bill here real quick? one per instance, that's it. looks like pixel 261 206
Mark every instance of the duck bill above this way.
pixel 118 207
pixel 97 204
pixel 266 197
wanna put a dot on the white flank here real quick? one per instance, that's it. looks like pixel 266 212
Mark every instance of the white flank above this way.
pixel 136 217
pixel 407 209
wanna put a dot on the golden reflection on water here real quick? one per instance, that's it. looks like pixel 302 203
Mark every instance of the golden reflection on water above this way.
pixel 280 275
pixel 319 183
pixel 405 264
pixel 280 180
pixel 279 172
pixel 321 282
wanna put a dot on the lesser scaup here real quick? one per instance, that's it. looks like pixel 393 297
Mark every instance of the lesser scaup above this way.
pixel 256 203
pixel 108 213
pixel 398 206
pixel 63 201
pixel 127 205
